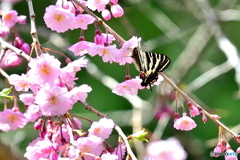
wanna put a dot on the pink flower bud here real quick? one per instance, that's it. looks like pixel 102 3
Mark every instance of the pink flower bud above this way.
pixel 204 118
pixel 26 48
pixel 176 116
pixel 18 42
pixel 216 117
pixel 113 2
pixel 38 124
pixel 117 10
pixel 127 77
pixel 13 59
pixel 99 38
pixel 106 14
pixel 22 19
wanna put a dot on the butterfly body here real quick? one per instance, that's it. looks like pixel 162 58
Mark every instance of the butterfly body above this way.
pixel 149 64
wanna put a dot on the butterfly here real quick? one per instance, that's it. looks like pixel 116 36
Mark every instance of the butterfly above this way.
pixel 149 64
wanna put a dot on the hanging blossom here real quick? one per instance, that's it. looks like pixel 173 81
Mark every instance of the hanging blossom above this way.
pixel 83 20
pixel 102 128
pixel 59 19
pixel 98 5
pixel 108 53
pixel 130 86
pixel 169 149
pixel 80 48
pixel 125 52
pixel 53 100
pixel 184 123
pixel 44 69
pixel 9 18
pixel 21 83
pixel 11 120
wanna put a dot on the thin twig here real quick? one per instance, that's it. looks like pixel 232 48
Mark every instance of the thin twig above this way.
pixel 6 45
pixel 197 105
pixel 34 34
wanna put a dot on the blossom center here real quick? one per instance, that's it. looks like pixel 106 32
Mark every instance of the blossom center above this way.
pixel 59 17
pixel 105 51
pixel 12 117
pixel 97 130
pixel 185 122
pixel 8 16
pixel 85 149
pixel 45 70
pixel 54 100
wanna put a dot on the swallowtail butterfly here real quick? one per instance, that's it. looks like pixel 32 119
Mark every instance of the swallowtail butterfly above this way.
pixel 149 64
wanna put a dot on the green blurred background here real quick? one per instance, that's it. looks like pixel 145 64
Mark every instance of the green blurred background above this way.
pixel 191 33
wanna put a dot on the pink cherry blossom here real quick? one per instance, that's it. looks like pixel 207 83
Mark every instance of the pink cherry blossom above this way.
pixel 108 54
pixel 27 98
pixel 91 145
pixel 106 14
pixel 80 48
pixel 169 149
pixel 44 69
pixel 83 20
pixel 9 18
pixel 10 59
pixel 53 100
pixel 98 5
pixel 231 155
pixel 39 149
pixel 32 113
pixel 103 128
pixel 184 123
pixel 128 87
pixel 117 11
pixel 194 111
pixel 126 51
pixel 11 120
pixel 20 82
pixel 80 93
pixel 68 75
pixel 58 19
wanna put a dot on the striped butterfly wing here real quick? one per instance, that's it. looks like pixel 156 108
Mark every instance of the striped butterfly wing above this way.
pixel 149 64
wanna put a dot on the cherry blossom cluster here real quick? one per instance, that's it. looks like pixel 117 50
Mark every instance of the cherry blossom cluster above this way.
pixel 54 94
pixel 49 91
pixel 8 21
pixel 56 142
pixel 65 15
